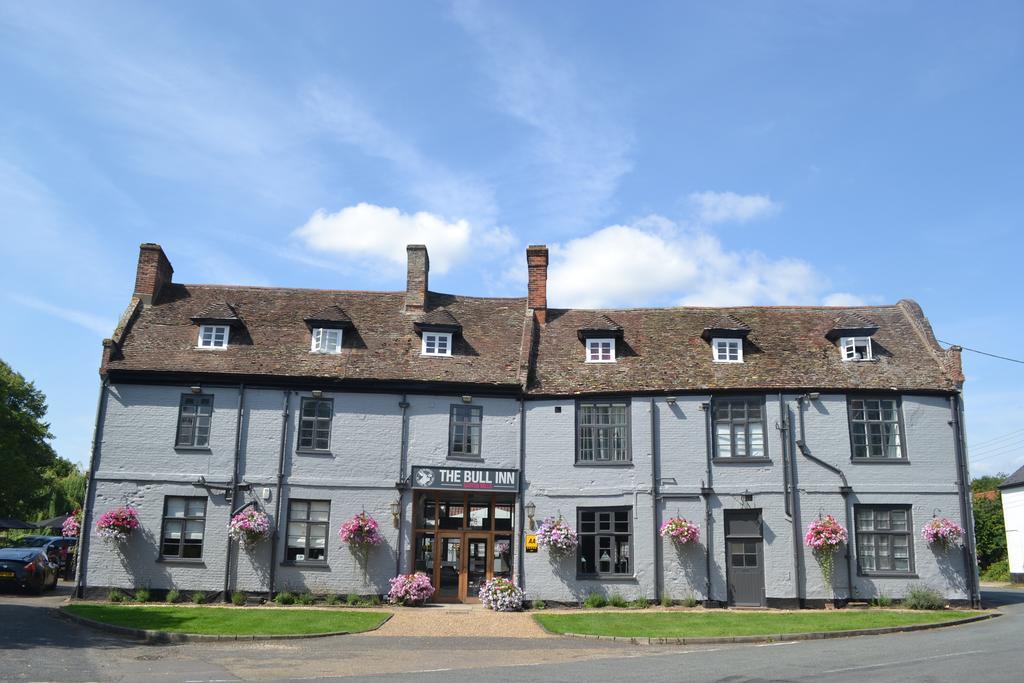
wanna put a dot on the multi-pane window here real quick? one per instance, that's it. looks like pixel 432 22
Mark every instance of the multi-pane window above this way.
pixel 183 527
pixel 855 348
pixel 884 541
pixel 437 344
pixel 727 350
pixel 739 427
pixel 875 428
pixel 603 432
pixel 307 530
pixel 464 431
pixel 315 424
pixel 605 542
pixel 194 421
pixel 326 340
pixel 213 336
pixel 600 350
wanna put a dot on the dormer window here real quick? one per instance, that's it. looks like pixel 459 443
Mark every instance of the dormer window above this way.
pixel 855 348
pixel 727 350
pixel 437 344
pixel 326 340
pixel 600 350
pixel 213 336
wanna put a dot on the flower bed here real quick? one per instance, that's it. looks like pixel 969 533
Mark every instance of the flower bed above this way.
pixel 942 532
pixel 410 590
pixel 116 525
pixel 249 527
pixel 557 536
pixel 501 595
pixel 681 531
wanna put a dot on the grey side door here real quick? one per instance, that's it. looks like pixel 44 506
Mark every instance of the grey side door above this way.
pixel 744 559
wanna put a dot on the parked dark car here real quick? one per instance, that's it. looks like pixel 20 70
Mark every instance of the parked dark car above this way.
pixel 59 549
pixel 27 568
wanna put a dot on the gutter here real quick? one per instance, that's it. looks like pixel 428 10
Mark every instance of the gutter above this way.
pixel 277 494
pixel 655 512
pixel 707 491
pixel 400 484
pixel 234 485
pixel 789 473
pixel 87 504
pixel 956 409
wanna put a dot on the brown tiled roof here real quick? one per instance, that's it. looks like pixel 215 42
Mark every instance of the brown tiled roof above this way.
pixel 382 344
pixel 662 350
pixel 331 314
pixel 601 325
pixel 439 318
pixel 724 322
pixel 219 311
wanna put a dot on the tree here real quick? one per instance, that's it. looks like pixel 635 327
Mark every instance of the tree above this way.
pixel 989 482
pixel 989 529
pixel 25 450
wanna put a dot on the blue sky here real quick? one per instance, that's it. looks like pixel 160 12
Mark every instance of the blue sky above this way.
pixel 669 153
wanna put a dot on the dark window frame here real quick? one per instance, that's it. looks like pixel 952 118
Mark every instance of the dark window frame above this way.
pixel 908 533
pixel 594 462
pixel 467 424
pixel 308 522
pixel 716 402
pixel 195 416
pixel 184 520
pixel 597 533
pixel 311 448
pixel 901 429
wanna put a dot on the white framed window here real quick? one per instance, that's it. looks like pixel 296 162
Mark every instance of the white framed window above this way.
pixel 213 336
pixel 600 350
pixel 437 344
pixel 855 348
pixel 727 350
pixel 325 340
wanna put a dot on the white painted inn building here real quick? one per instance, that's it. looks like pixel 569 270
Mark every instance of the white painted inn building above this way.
pixel 460 423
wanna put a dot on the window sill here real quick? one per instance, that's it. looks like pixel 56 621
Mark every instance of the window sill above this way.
pixel 621 578
pixel 301 451
pixel 888 575
pixel 312 564
pixel 742 461
pixel 466 458
pixel 195 449
pixel 625 463
pixel 197 562
pixel 880 461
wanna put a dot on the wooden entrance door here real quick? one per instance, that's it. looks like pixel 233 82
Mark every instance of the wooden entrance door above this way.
pixel 744 557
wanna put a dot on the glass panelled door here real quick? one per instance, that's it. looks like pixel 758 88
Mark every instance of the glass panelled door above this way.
pixel 476 566
pixel 450 570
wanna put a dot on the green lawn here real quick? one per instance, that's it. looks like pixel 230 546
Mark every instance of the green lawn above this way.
pixel 231 621
pixel 716 623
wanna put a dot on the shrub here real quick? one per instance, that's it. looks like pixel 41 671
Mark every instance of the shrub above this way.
pixel 172 596
pixel 238 598
pixel 501 595
pixel 594 601
pixel 691 600
pixel 881 600
pixel 923 597
pixel 285 598
pixel 539 604
pixel 142 595
pixel 997 571
pixel 639 603
pixel 666 600
pixel 114 595
pixel 306 599
pixel 374 601
pixel 410 590
pixel 616 600
pixel 333 599
pixel 198 597
pixel 352 600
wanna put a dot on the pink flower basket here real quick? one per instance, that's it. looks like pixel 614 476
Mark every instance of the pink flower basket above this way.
pixel 116 525
pixel 557 536
pixel 682 531
pixel 361 532
pixel 942 532
pixel 249 527
pixel 72 525
pixel 823 537
pixel 410 590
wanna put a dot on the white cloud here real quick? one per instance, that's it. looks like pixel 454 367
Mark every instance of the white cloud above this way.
pixel 91 322
pixel 376 233
pixel 844 299
pixel 657 262
pixel 725 207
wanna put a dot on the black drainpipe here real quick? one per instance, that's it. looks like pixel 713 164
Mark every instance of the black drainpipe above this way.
pixel 234 486
pixel 400 484
pixel 655 513
pixel 83 534
pixel 277 495
pixel 845 490
pixel 789 467
pixel 520 542
pixel 956 408
pixel 707 491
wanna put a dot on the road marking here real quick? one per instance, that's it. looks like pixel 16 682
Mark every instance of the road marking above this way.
pixel 788 642
pixel 903 661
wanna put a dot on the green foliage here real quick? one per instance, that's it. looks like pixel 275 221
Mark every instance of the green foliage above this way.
pixel 306 599
pixel 616 600
pixel 198 597
pixel 989 530
pixel 539 604
pixel 114 595
pixel 173 596
pixel 333 599
pixel 352 599
pixel 594 601
pixel 923 597
pixel 238 598
pixel 142 595
pixel 997 571
pixel 374 601
pixel 987 483
pixel 639 603
pixel 24 447
pixel 881 600
pixel 285 598
pixel 666 600
pixel 691 600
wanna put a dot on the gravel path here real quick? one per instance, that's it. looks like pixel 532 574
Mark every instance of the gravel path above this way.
pixel 460 621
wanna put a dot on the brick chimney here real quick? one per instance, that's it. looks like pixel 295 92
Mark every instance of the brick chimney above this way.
pixel 417 278
pixel 537 287
pixel 153 273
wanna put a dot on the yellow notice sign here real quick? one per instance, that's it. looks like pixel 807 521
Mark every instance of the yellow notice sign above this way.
pixel 531 543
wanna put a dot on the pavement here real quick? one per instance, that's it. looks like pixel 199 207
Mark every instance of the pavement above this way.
pixel 37 645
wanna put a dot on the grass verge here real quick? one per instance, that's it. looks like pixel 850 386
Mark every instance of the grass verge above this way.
pixel 712 624
pixel 228 621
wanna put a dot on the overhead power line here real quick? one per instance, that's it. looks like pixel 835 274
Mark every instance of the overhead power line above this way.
pixel 984 353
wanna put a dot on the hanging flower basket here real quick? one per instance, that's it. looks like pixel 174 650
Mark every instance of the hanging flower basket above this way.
pixel 942 532
pixel 361 532
pixel 116 525
pixel 823 537
pixel 557 536
pixel 501 595
pixel 410 590
pixel 682 531
pixel 73 524
pixel 249 527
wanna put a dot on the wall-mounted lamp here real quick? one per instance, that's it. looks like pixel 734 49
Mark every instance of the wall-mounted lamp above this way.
pixel 671 400
pixel 467 399
pixel 316 393
pixel 396 508
pixel 747 495
pixel 705 406
pixel 813 396
pixel 196 389
pixel 531 510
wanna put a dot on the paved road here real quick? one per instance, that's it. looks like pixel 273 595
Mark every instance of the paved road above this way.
pixel 36 645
